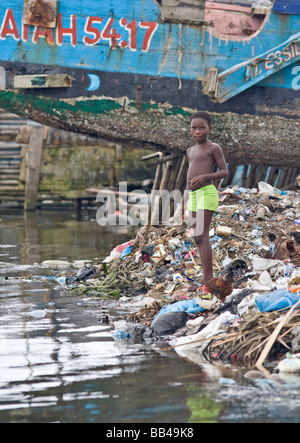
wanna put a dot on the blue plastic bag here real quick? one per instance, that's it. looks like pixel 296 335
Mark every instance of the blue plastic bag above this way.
pixel 126 251
pixel 276 300
pixel 189 306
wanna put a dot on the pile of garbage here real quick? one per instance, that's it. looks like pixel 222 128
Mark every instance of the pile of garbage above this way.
pixel 255 238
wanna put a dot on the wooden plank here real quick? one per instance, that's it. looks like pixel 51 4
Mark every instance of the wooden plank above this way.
pixel 12 121
pixel 157 174
pixel 174 174
pixel 10 154
pixel 2 78
pixel 10 148
pixel 251 176
pixel 244 176
pixel 10 171
pixel 182 175
pixel 7 131
pixel 8 115
pixel 151 156
pixel 273 175
pixel 232 168
pixel 287 180
pixel 242 76
pixel 10 144
pixel 282 176
pixel 9 182
pixel 157 210
pixel 42 81
pixel 10 190
pixel 275 335
pixel 174 11
pixel 33 167
pixel 261 174
pixel 295 174
pixel 9 163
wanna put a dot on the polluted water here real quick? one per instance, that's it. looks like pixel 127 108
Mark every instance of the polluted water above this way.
pixel 60 360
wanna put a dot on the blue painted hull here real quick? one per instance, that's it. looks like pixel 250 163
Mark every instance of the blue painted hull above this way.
pixel 123 50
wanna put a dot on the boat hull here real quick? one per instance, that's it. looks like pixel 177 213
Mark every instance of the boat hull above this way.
pixel 259 100
pixel 246 139
pixel 123 72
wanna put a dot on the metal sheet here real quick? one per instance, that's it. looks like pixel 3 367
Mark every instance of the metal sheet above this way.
pixel 40 13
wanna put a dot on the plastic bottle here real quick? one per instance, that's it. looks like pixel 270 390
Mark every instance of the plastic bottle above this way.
pixel 288 269
pixel 121 335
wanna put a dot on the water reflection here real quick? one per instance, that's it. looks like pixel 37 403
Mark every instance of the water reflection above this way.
pixel 59 363
pixel 49 235
pixel 31 248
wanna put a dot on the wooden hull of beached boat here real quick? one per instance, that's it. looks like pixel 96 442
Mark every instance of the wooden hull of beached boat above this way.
pixel 133 71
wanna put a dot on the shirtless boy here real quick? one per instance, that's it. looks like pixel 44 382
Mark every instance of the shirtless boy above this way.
pixel 203 198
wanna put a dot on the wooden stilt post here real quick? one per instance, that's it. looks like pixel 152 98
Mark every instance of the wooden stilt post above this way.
pixel 273 175
pixel 174 174
pixel 251 176
pixel 244 176
pixel 295 175
pixel 156 209
pixel 282 176
pixel 158 172
pixel 287 180
pixel 181 180
pixel 232 168
pixel 171 186
pixel 156 182
pixel 33 167
pixel 261 174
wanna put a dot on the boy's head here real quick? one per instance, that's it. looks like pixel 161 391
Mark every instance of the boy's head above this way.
pixel 202 114
pixel 201 126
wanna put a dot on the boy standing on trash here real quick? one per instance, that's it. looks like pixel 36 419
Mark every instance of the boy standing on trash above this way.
pixel 203 197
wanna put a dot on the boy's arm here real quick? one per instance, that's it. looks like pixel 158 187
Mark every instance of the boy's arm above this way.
pixel 221 163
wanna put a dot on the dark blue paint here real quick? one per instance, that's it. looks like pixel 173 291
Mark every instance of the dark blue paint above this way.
pixel 287 7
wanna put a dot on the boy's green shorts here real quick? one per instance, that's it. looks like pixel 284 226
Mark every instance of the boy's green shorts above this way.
pixel 206 198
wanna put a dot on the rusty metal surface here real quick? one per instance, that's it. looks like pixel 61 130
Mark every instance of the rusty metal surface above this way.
pixel 40 13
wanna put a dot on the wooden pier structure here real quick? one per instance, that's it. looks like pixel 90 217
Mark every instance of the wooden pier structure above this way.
pixel 172 171
pixel 20 165
pixel 20 171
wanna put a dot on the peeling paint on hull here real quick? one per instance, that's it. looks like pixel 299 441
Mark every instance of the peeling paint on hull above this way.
pixel 246 139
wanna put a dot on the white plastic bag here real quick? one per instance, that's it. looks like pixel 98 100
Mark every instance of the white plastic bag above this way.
pixel 291 364
pixel 198 341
